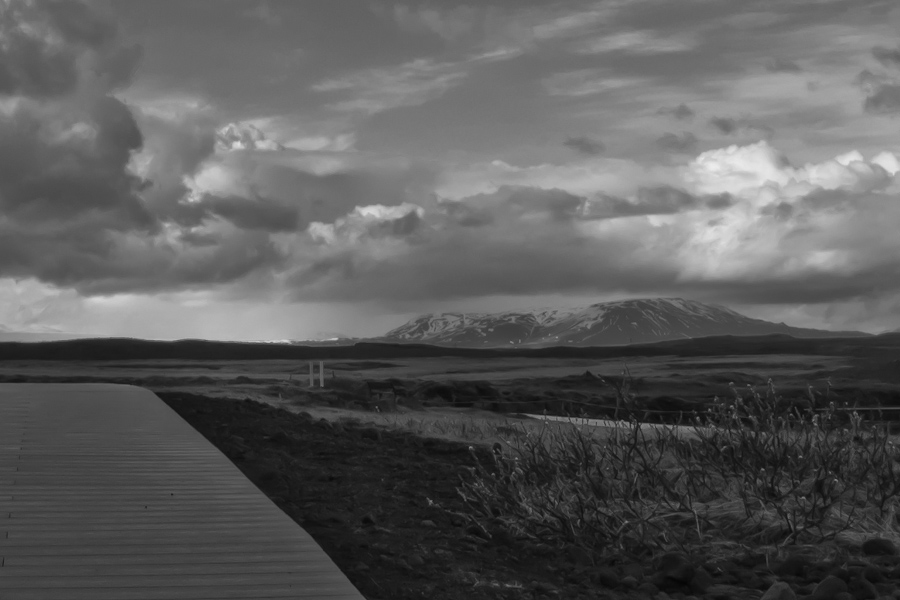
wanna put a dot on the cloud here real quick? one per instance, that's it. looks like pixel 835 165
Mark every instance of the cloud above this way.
pixel 731 126
pixel 759 171
pixel 682 112
pixel 585 145
pixel 642 43
pixel 882 92
pixel 889 57
pixel 782 65
pixel 683 142
pixel 341 142
pixel 375 90
pixel 104 196
pixel 372 222
pixel 884 100
pixel 745 223
pixel 583 177
pixel 725 125
pixel 246 214
pixel 585 82
pixel 450 24
pixel 263 12
pixel 49 47
pixel 244 136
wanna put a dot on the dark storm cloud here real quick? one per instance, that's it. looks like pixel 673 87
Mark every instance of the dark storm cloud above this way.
pixel 807 288
pixel 660 200
pixel 535 241
pixel 517 240
pixel 460 262
pixel 175 149
pixel 782 65
pixel 585 145
pixel 73 212
pixel 511 202
pixel 732 126
pixel 252 214
pixel 782 211
pixel 327 197
pixel 39 65
pixel 725 125
pixel 884 99
pixel 889 57
pixel 683 142
pixel 682 112
pixel 104 263
pixel 43 180
pixel 881 90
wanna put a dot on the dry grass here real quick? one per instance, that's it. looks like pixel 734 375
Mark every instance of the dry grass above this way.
pixel 751 475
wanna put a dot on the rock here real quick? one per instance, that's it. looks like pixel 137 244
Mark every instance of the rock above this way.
pixel 701 581
pixel 403 564
pixel 428 523
pixel 886 561
pixel 648 588
pixel 843 596
pixel 746 577
pixel 543 587
pixel 828 588
pixel 368 519
pixel 873 574
pixel 675 566
pixel 861 589
pixel 361 567
pixel 779 591
pixel 502 536
pixel 721 591
pixel 796 566
pixel 630 582
pixel 607 578
pixel 879 547
pixel 415 560
pixel 636 570
pixel 840 573
pixel 579 555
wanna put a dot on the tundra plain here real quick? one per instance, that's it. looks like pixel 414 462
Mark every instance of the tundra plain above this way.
pixel 385 483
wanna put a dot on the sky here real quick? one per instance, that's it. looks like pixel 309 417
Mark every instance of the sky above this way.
pixel 273 169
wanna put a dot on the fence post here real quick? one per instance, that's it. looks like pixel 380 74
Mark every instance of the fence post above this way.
pixel 311 380
pixel 321 373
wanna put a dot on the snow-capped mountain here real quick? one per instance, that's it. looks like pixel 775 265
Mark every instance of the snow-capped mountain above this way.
pixel 604 324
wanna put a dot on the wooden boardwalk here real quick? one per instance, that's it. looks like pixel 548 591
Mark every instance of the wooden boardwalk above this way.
pixel 107 494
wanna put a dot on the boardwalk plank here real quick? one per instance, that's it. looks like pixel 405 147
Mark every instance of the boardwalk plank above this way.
pixel 105 493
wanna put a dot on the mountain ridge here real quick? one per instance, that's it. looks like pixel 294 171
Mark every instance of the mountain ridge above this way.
pixel 642 320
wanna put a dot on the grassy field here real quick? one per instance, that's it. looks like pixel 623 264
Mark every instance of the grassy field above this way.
pixel 765 471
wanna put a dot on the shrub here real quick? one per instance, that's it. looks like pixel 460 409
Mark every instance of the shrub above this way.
pixel 750 469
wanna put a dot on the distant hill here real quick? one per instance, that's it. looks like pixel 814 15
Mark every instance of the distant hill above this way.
pixel 640 321
pixel 883 347
pixel 46 335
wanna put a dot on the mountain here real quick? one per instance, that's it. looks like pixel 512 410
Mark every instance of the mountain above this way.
pixel 604 324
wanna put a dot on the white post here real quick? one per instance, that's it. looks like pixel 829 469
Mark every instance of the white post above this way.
pixel 321 373
pixel 311 380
